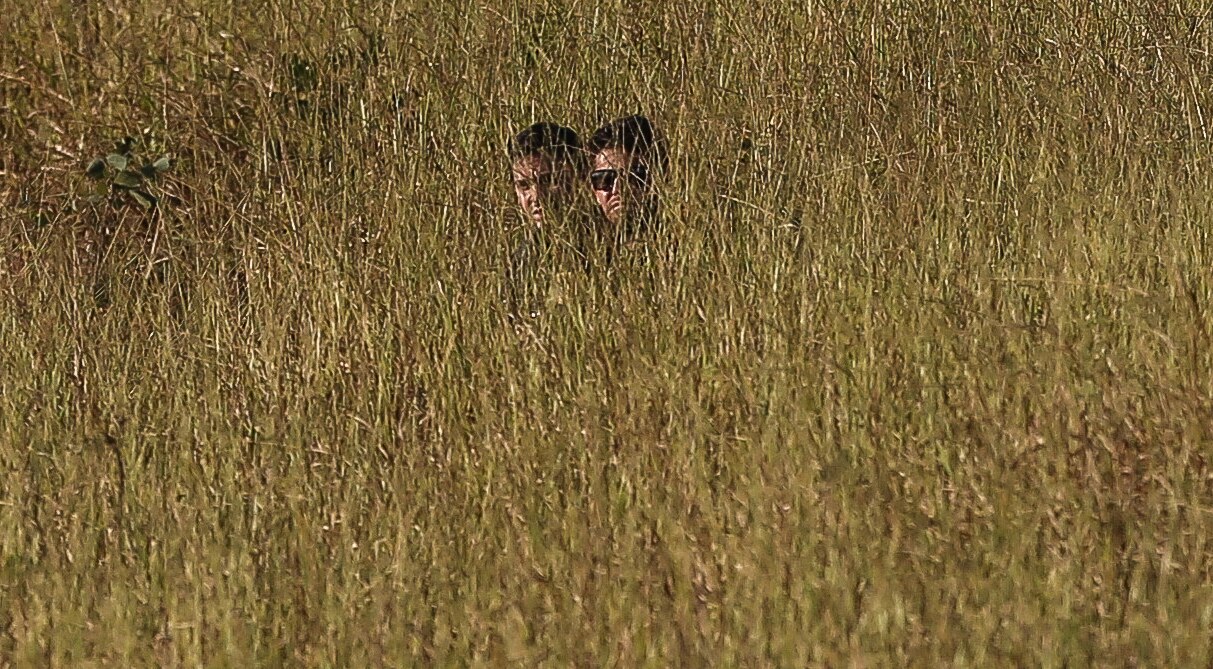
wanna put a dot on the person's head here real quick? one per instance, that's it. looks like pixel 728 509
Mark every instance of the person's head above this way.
pixel 624 156
pixel 546 160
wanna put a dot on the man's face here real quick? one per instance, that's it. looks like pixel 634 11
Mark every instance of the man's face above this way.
pixel 541 186
pixel 620 181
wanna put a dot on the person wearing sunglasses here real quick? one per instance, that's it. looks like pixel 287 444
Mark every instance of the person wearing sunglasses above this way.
pixel 624 155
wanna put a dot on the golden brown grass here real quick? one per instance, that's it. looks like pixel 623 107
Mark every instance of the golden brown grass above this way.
pixel 926 381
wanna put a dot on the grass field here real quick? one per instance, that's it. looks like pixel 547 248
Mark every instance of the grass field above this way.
pixel 918 373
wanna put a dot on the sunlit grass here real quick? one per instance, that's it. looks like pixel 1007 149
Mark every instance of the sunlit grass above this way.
pixel 917 373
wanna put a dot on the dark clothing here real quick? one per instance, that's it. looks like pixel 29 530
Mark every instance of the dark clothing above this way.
pixel 579 243
pixel 524 270
pixel 538 254
pixel 608 242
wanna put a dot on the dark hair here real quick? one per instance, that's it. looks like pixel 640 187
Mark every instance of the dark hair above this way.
pixel 555 141
pixel 631 133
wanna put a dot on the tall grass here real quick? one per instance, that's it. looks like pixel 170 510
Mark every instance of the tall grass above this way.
pixel 918 373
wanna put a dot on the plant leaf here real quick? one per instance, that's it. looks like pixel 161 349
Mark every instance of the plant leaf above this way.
pixel 153 170
pixel 96 169
pixel 144 199
pixel 117 161
pixel 128 179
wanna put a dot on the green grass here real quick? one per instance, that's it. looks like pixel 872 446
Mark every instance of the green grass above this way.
pixel 919 372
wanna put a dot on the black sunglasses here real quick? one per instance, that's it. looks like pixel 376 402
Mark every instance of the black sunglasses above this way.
pixel 604 180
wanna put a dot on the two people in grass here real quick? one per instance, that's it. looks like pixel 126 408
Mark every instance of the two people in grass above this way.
pixel 552 169
pixel 554 174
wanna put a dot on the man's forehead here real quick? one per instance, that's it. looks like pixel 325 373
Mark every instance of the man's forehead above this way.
pixel 533 163
pixel 537 164
pixel 615 158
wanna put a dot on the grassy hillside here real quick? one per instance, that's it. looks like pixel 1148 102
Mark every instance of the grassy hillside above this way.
pixel 918 373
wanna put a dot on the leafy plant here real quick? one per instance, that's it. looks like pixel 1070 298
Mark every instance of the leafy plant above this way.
pixel 129 179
